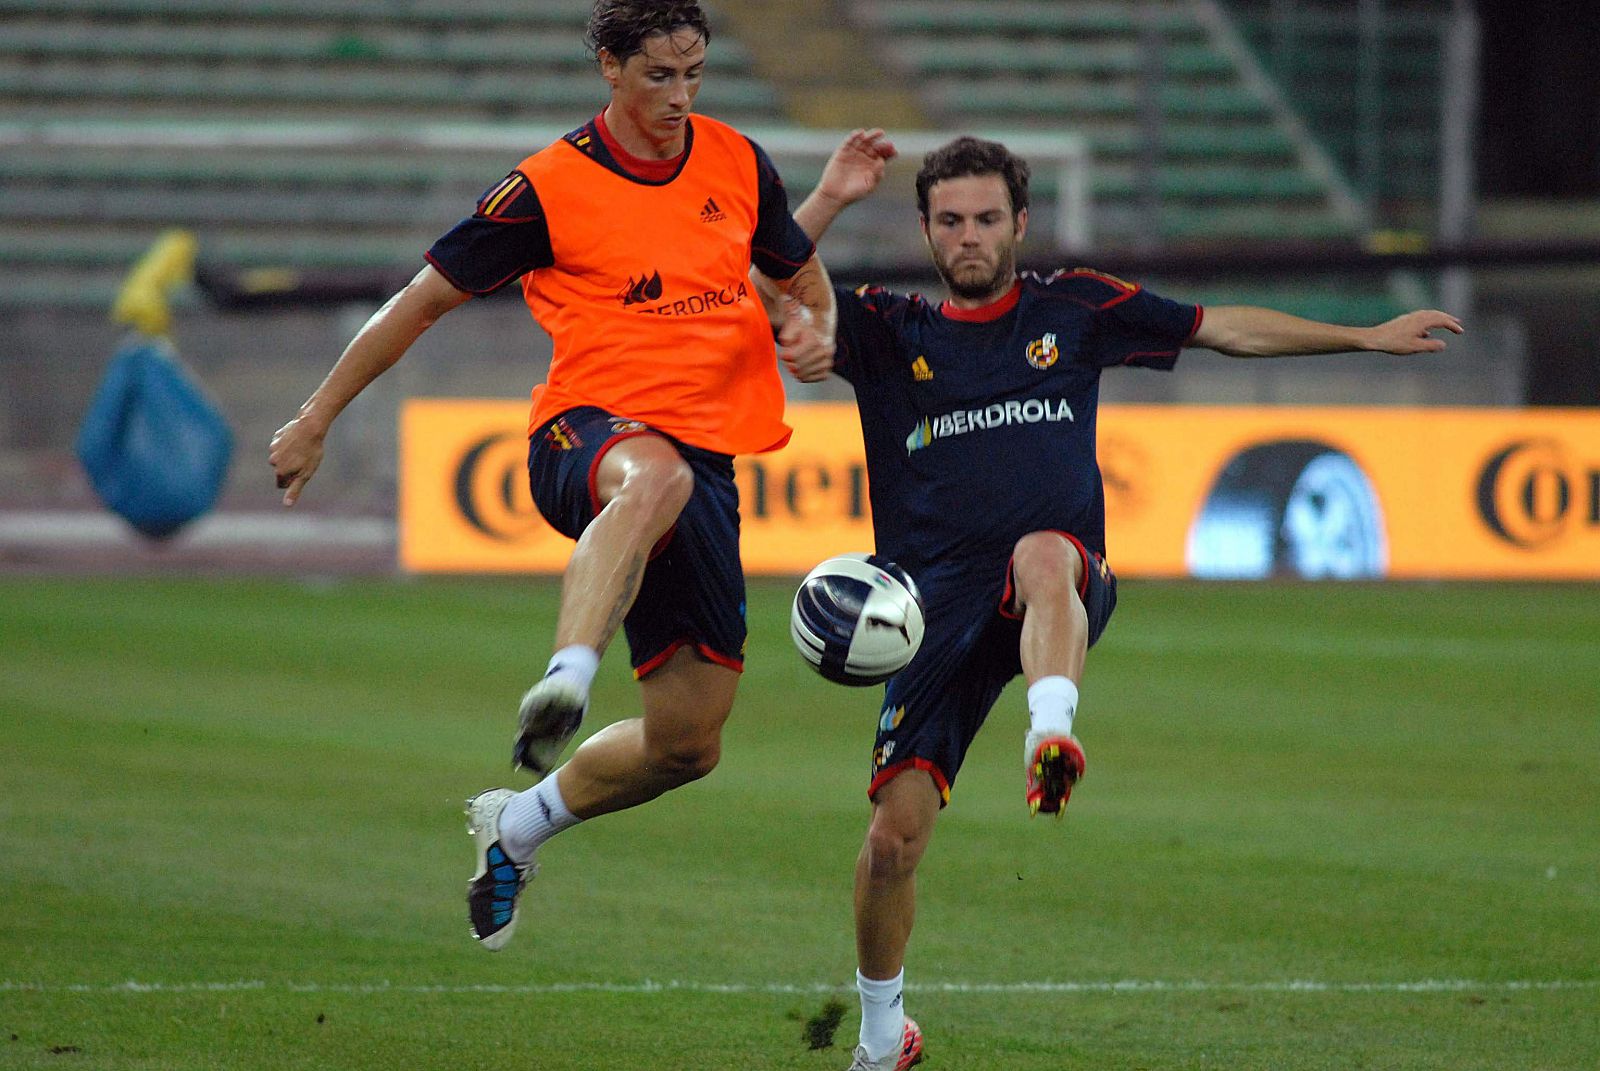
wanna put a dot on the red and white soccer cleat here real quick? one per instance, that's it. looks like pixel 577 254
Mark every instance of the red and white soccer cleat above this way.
pixel 909 1052
pixel 1054 764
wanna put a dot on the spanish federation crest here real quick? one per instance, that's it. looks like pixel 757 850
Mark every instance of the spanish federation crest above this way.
pixel 1042 352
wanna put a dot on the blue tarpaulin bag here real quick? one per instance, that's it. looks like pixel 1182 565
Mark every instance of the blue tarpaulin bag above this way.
pixel 155 447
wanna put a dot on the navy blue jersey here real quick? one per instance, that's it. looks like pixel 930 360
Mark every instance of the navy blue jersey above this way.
pixel 980 424
pixel 508 235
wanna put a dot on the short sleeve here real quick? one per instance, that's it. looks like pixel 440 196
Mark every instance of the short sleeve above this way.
pixel 779 246
pixel 506 237
pixel 866 338
pixel 1143 329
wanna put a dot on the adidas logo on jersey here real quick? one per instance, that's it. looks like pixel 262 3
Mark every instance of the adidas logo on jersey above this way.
pixel 710 213
pixel 920 370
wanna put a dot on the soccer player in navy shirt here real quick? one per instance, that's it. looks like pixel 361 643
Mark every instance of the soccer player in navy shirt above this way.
pixel 978 414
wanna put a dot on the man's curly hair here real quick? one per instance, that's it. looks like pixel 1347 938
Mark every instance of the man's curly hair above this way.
pixel 973 156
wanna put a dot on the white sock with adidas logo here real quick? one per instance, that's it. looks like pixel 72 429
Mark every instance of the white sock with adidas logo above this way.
pixel 532 817
pixel 883 1013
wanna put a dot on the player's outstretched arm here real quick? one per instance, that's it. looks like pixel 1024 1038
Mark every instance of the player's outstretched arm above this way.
pixel 1249 331
pixel 852 173
pixel 296 449
pixel 806 331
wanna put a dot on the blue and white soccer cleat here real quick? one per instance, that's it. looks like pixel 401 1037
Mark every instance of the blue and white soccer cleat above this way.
pixel 493 891
pixel 909 1052
pixel 549 717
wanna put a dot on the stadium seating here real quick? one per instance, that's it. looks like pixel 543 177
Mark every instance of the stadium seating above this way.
pixel 1371 97
pixel 1232 162
pixel 1228 165
pixel 76 212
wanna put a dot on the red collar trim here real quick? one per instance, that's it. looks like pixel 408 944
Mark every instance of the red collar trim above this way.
pixel 985 313
pixel 637 166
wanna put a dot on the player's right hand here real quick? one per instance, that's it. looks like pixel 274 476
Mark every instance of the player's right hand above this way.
pixel 804 350
pixel 294 454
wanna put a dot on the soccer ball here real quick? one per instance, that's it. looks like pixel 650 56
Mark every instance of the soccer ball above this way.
pixel 857 619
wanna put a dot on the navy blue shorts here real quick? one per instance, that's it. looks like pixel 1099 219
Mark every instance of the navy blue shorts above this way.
pixel 693 589
pixel 934 707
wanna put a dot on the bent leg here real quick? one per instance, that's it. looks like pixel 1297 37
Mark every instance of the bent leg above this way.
pixel 1048 570
pixel 678 740
pixel 642 484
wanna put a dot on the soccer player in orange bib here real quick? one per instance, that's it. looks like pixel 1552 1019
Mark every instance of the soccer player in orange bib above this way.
pixel 633 237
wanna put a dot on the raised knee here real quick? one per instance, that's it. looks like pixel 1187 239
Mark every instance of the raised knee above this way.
pixel 688 760
pixel 652 493
pixel 666 486
pixel 1045 561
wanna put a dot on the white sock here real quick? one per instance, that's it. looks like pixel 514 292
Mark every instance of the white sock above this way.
pixel 576 664
pixel 533 817
pixel 1052 701
pixel 883 1013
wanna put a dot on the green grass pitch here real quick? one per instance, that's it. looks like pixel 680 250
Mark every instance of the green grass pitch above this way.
pixel 1324 827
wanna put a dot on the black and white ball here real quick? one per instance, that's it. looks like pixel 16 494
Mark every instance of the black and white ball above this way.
pixel 857 619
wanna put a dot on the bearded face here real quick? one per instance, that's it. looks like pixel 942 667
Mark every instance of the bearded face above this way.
pixel 972 236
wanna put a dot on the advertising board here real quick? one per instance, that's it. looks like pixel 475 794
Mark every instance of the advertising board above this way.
pixel 1227 492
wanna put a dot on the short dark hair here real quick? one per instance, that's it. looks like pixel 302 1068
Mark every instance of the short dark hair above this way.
pixel 621 26
pixel 973 156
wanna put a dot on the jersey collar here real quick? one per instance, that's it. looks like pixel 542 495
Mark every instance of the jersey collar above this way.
pixel 985 313
pixel 652 171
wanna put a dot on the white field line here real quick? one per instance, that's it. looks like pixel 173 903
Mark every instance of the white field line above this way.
pixel 1428 985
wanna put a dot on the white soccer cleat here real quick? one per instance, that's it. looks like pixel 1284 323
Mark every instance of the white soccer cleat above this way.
pixel 498 882
pixel 909 1052
pixel 549 718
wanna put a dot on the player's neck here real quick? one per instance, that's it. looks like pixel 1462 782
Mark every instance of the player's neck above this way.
pixel 636 142
pixel 999 300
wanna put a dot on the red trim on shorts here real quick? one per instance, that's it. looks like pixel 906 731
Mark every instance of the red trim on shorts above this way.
pixel 715 657
pixel 1008 598
pixel 889 773
pixel 594 480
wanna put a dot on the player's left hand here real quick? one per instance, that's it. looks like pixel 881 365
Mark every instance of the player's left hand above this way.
pixel 856 166
pixel 294 454
pixel 804 350
pixel 1410 333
